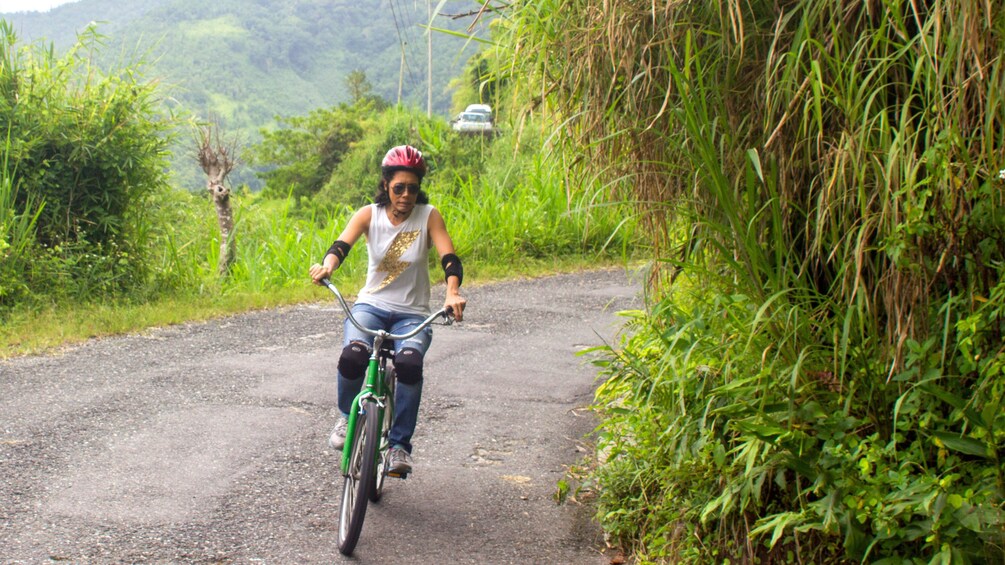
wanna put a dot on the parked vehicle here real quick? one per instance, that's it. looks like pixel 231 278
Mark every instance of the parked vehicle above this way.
pixel 472 122
pixel 479 109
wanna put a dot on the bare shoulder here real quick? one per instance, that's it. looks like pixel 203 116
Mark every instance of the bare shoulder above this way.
pixel 363 216
pixel 358 224
pixel 435 217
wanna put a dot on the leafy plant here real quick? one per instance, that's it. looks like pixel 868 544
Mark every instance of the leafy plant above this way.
pixel 818 182
pixel 91 146
pixel 303 152
pixel 17 235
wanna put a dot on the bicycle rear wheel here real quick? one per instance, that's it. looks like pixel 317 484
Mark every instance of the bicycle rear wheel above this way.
pixel 361 479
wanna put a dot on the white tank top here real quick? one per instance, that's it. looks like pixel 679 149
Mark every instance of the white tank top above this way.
pixel 397 278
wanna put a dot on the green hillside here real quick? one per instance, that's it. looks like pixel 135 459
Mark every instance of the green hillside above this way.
pixel 247 61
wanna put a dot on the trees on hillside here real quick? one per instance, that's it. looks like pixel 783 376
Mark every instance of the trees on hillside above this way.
pixel 300 155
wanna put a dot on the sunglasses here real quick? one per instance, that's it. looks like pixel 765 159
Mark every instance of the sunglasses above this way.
pixel 400 189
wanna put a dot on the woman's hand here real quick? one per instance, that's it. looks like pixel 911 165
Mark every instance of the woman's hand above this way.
pixel 319 272
pixel 455 304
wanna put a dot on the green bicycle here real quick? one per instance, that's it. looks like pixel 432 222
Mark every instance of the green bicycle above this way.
pixel 365 457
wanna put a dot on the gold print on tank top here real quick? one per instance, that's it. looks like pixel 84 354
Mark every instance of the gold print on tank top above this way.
pixel 392 263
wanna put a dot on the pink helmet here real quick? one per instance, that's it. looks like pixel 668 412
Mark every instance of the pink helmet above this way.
pixel 404 157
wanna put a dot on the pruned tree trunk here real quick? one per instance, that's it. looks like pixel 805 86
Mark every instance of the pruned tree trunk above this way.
pixel 225 217
pixel 217 160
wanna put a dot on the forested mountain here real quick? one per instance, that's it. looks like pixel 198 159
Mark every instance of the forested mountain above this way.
pixel 246 61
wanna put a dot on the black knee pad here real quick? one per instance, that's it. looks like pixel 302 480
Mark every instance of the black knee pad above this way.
pixel 352 364
pixel 408 365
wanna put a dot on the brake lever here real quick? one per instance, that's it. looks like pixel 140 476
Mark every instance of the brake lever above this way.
pixel 448 316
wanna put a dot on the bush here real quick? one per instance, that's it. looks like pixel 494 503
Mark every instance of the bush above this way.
pixel 301 155
pixel 90 146
pixel 708 455
pixel 823 176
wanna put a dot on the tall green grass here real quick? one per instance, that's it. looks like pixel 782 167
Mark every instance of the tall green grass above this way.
pixel 524 221
pixel 17 239
pixel 822 379
pixel 536 218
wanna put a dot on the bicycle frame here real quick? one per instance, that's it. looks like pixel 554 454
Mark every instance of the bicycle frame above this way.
pixel 375 385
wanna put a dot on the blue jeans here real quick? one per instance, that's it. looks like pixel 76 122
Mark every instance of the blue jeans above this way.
pixel 406 397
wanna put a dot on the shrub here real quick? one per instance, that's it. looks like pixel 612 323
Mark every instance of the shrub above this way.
pixel 91 146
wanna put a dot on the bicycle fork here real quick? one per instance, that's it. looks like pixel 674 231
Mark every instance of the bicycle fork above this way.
pixel 373 389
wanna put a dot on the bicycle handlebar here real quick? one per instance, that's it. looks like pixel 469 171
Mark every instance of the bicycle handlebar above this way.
pixel 447 316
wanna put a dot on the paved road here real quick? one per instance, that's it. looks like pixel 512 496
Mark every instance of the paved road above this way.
pixel 206 442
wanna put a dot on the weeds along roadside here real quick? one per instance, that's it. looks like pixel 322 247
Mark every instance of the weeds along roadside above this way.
pixel 526 228
pixel 825 381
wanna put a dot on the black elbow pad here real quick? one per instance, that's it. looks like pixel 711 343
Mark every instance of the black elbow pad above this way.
pixel 452 267
pixel 339 249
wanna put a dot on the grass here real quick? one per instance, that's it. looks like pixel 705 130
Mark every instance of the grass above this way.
pixel 55 327
pixel 837 225
pixel 510 224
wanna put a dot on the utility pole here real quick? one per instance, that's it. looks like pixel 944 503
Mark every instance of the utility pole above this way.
pixel 429 58
pixel 401 71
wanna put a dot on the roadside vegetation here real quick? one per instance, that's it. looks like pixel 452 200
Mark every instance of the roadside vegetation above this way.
pixel 96 241
pixel 818 374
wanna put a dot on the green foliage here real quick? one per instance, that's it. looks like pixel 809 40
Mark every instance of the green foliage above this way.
pixel 361 91
pixel 78 145
pixel 17 234
pixel 819 181
pixel 705 448
pixel 481 82
pixel 304 151
pixel 456 159
pixel 91 147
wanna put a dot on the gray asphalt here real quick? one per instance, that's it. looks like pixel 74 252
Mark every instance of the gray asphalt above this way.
pixel 205 443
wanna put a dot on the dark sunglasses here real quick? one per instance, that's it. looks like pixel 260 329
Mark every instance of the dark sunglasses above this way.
pixel 400 189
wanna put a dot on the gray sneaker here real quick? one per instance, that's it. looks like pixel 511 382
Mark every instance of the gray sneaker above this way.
pixel 401 462
pixel 337 439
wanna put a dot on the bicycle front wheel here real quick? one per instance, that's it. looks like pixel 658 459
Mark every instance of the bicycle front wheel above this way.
pixel 360 482
pixel 385 449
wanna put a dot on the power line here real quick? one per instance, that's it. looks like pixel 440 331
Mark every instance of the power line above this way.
pixel 403 40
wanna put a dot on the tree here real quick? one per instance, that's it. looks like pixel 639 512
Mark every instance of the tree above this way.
pixel 301 155
pixel 361 91
pixel 358 85
pixel 218 158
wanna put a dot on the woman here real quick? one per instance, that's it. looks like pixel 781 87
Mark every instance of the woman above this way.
pixel 399 227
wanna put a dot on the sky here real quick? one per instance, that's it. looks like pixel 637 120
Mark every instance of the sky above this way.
pixel 30 5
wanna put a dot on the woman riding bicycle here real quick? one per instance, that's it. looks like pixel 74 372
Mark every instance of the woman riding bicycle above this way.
pixel 399 227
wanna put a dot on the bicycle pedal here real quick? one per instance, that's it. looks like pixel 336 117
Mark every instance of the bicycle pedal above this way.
pixel 397 475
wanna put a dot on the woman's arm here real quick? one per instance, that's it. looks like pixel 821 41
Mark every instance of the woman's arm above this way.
pixel 451 264
pixel 358 224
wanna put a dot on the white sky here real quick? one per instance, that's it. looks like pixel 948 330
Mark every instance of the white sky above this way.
pixel 30 5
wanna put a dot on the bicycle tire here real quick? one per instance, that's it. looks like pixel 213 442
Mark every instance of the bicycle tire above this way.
pixel 385 448
pixel 360 481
